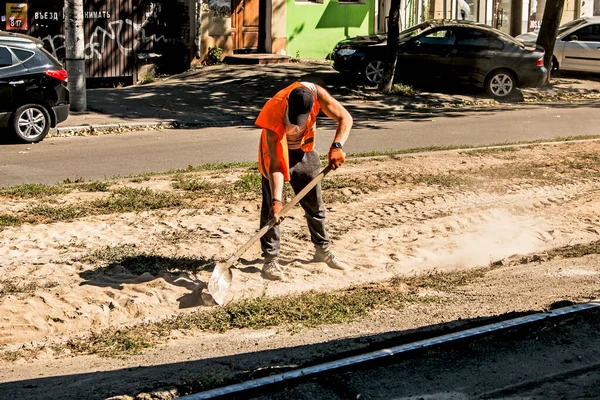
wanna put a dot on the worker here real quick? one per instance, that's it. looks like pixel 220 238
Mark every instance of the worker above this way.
pixel 287 153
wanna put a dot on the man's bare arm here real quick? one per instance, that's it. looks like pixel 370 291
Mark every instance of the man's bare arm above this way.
pixel 275 172
pixel 334 110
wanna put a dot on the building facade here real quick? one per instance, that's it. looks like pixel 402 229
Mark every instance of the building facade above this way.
pixel 510 16
pixel 305 29
pixel 119 36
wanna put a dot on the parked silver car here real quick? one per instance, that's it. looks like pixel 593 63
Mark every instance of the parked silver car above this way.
pixel 577 45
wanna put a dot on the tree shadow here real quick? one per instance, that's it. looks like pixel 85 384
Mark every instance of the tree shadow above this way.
pixel 222 95
pixel 177 271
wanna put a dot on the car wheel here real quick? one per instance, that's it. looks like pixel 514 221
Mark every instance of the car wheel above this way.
pixel 501 84
pixel 554 65
pixel 374 71
pixel 31 123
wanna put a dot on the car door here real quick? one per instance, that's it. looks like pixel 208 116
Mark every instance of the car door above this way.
pixel 11 81
pixel 427 56
pixel 474 55
pixel 581 50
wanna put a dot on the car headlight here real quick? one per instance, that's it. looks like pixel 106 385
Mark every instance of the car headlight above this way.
pixel 346 52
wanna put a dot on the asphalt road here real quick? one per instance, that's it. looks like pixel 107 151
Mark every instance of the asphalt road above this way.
pixel 104 157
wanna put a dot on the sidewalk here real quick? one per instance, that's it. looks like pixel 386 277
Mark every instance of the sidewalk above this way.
pixel 223 95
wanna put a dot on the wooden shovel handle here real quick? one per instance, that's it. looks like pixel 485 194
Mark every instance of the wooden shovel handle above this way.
pixel 285 209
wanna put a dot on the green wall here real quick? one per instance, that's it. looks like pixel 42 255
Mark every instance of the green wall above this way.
pixel 313 29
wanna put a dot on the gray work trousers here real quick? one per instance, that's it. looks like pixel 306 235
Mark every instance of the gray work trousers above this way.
pixel 303 168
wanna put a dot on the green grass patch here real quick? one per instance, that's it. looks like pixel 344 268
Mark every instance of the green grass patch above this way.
pixel 576 250
pixel 400 89
pixel 214 167
pixel 141 178
pixel 50 213
pixel 94 186
pixel 9 220
pixel 120 201
pixel 114 342
pixel 132 199
pixel 34 190
pixel 12 286
pixel 191 185
pixel 491 151
pixel 109 255
pixel 249 182
pixel 305 310
pixel 441 281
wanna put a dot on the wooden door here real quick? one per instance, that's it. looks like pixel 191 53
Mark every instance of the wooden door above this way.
pixel 245 25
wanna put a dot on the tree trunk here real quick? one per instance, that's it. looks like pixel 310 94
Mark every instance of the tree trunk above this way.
pixel 392 47
pixel 550 22
pixel 198 39
pixel 75 54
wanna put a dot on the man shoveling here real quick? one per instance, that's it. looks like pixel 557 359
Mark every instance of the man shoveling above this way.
pixel 287 153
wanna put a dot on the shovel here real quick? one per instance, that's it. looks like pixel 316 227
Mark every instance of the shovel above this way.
pixel 220 280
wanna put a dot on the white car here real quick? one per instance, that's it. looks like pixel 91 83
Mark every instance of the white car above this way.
pixel 577 45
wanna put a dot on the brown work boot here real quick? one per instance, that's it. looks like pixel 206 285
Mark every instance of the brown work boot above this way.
pixel 326 256
pixel 273 271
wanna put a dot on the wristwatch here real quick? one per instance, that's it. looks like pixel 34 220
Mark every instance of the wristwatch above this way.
pixel 336 145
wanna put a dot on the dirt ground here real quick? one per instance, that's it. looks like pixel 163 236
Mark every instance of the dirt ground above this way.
pixel 529 215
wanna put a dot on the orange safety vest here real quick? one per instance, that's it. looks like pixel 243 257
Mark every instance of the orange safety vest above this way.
pixel 272 117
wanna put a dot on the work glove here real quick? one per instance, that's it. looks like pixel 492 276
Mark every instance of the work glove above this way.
pixel 277 206
pixel 336 157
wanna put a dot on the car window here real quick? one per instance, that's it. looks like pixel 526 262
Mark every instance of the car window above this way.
pixel 442 37
pixel 6 59
pixel 412 32
pixel 478 40
pixel 22 55
pixel 569 25
pixel 590 33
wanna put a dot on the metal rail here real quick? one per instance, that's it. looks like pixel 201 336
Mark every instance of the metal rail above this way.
pixel 333 365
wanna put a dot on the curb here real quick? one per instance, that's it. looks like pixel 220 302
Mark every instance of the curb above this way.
pixel 84 130
pixel 101 129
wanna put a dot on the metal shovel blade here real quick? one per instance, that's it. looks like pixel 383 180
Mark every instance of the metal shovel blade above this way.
pixel 220 280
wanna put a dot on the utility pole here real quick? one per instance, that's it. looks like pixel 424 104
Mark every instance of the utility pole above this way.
pixel 75 54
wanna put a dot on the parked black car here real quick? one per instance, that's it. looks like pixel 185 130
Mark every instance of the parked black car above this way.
pixel 449 52
pixel 33 88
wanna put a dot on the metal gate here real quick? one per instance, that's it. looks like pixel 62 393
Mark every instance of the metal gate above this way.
pixel 118 34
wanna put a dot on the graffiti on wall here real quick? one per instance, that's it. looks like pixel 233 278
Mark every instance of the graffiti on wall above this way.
pixel 97 43
pixel 98 39
pixel 220 9
pixel 149 31
pixel 113 31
